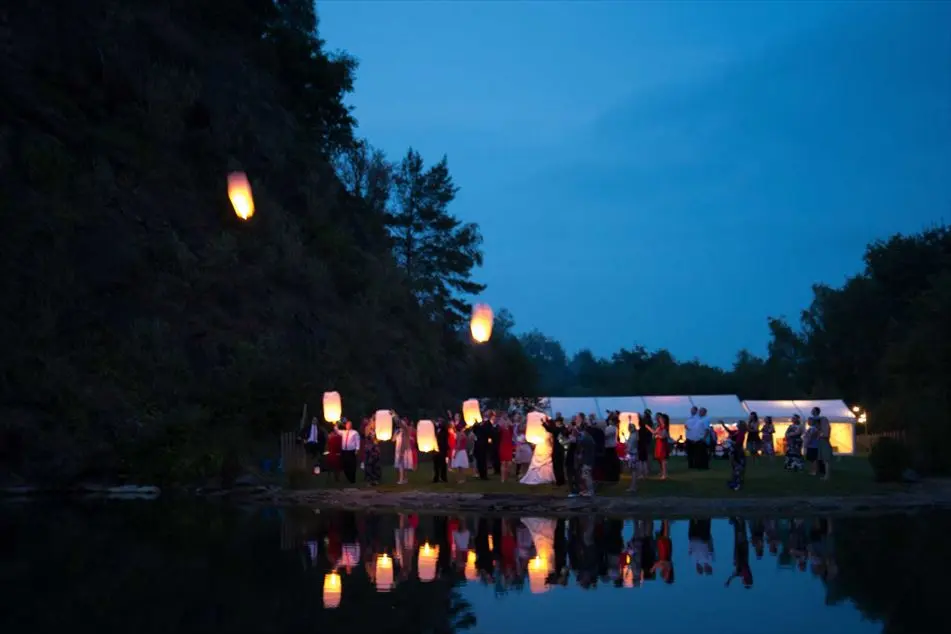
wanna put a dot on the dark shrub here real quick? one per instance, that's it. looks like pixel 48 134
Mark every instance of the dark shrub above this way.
pixel 889 458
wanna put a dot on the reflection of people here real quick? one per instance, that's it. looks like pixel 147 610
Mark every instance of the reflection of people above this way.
pixel 665 553
pixel 700 547
pixel 741 554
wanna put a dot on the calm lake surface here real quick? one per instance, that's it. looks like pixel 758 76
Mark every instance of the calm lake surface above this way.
pixel 157 567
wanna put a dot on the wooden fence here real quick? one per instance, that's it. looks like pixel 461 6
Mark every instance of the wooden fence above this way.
pixel 293 456
pixel 865 442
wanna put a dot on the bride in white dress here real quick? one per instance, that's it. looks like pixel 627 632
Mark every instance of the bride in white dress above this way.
pixel 541 470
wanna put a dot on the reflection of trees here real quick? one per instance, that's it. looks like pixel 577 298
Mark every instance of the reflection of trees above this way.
pixel 894 569
pixel 150 568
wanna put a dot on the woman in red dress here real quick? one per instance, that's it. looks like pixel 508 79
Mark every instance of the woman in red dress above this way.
pixel 660 442
pixel 506 445
pixel 334 451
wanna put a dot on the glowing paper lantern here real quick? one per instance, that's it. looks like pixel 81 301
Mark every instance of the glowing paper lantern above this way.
pixel 626 420
pixel 538 574
pixel 481 324
pixel 471 412
pixel 383 421
pixel 332 590
pixel 427 562
pixel 384 573
pixel 333 409
pixel 426 436
pixel 470 571
pixel 239 191
pixel 534 432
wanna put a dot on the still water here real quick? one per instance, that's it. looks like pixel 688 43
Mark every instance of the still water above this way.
pixel 155 567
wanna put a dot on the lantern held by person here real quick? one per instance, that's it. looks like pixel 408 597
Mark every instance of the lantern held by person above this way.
pixel 471 412
pixel 481 324
pixel 472 574
pixel 384 573
pixel 427 562
pixel 426 436
pixel 626 419
pixel 333 409
pixel 383 422
pixel 538 574
pixel 239 191
pixel 534 431
pixel 332 590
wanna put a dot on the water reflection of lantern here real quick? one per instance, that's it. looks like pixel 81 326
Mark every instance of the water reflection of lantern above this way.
pixel 481 324
pixel 538 574
pixel 333 409
pixel 426 436
pixel 534 431
pixel 427 562
pixel 383 422
pixel 384 573
pixel 471 412
pixel 239 191
pixel 470 571
pixel 624 425
pixel 491 545
pixel 332 590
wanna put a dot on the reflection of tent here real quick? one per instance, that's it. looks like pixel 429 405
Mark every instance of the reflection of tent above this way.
pixel 841 419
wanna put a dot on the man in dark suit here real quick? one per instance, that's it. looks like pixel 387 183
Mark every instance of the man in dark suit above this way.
pixel 441 456
pixel 483 434
pixel 556 428
pixel 494 445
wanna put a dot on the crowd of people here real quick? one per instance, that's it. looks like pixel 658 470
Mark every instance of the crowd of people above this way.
pixel 575 453
pixel 505 552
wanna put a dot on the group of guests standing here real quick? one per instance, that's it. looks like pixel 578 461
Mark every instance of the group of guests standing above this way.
pixel 576 453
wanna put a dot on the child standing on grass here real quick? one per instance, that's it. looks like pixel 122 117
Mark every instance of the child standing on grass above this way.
pixel 737 454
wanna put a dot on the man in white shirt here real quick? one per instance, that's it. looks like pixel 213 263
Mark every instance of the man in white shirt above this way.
pixel 689 425
pixel 351 445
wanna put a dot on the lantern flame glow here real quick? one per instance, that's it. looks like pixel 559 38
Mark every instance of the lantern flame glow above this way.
pixel 383 423
pixel 426 436
pixel 384 573
pixel 481 323
pixel 427 562
pixel 239 191
pixel 332 590
pixel 333 408
pixel 471 412
pixel 538 574
pixel 534 431
pixel 472 574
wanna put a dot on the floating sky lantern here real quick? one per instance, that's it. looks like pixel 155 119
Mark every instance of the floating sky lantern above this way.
pixel 538 574
pixel 624 424
pixel 332 590
pixel 534 430
pixel 239 191
pixel 383 422
pixel 426 436
pixel 471 412
pixel 472 574
pixel 481 323
pixel 384 573
pixel 427 562
pixel 333 409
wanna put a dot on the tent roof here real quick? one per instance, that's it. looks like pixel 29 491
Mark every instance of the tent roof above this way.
pixel 721 406
pixel 677 407
pixel 571 405
pixel 620 404
pixel 776 409
pixel 833 409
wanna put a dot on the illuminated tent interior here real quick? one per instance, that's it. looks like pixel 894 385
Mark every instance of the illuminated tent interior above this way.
pixel 841 420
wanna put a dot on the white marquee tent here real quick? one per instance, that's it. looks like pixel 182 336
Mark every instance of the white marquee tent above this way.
pixel 841 420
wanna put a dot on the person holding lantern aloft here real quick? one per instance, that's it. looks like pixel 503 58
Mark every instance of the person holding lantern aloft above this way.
pixel 441 455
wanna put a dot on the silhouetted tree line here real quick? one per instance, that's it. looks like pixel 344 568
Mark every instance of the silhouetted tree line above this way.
pixel 147 331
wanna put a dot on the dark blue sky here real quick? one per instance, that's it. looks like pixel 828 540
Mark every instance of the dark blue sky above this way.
pixel 664 174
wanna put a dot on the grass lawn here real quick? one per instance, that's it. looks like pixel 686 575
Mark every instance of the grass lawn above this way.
pixel 765 477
